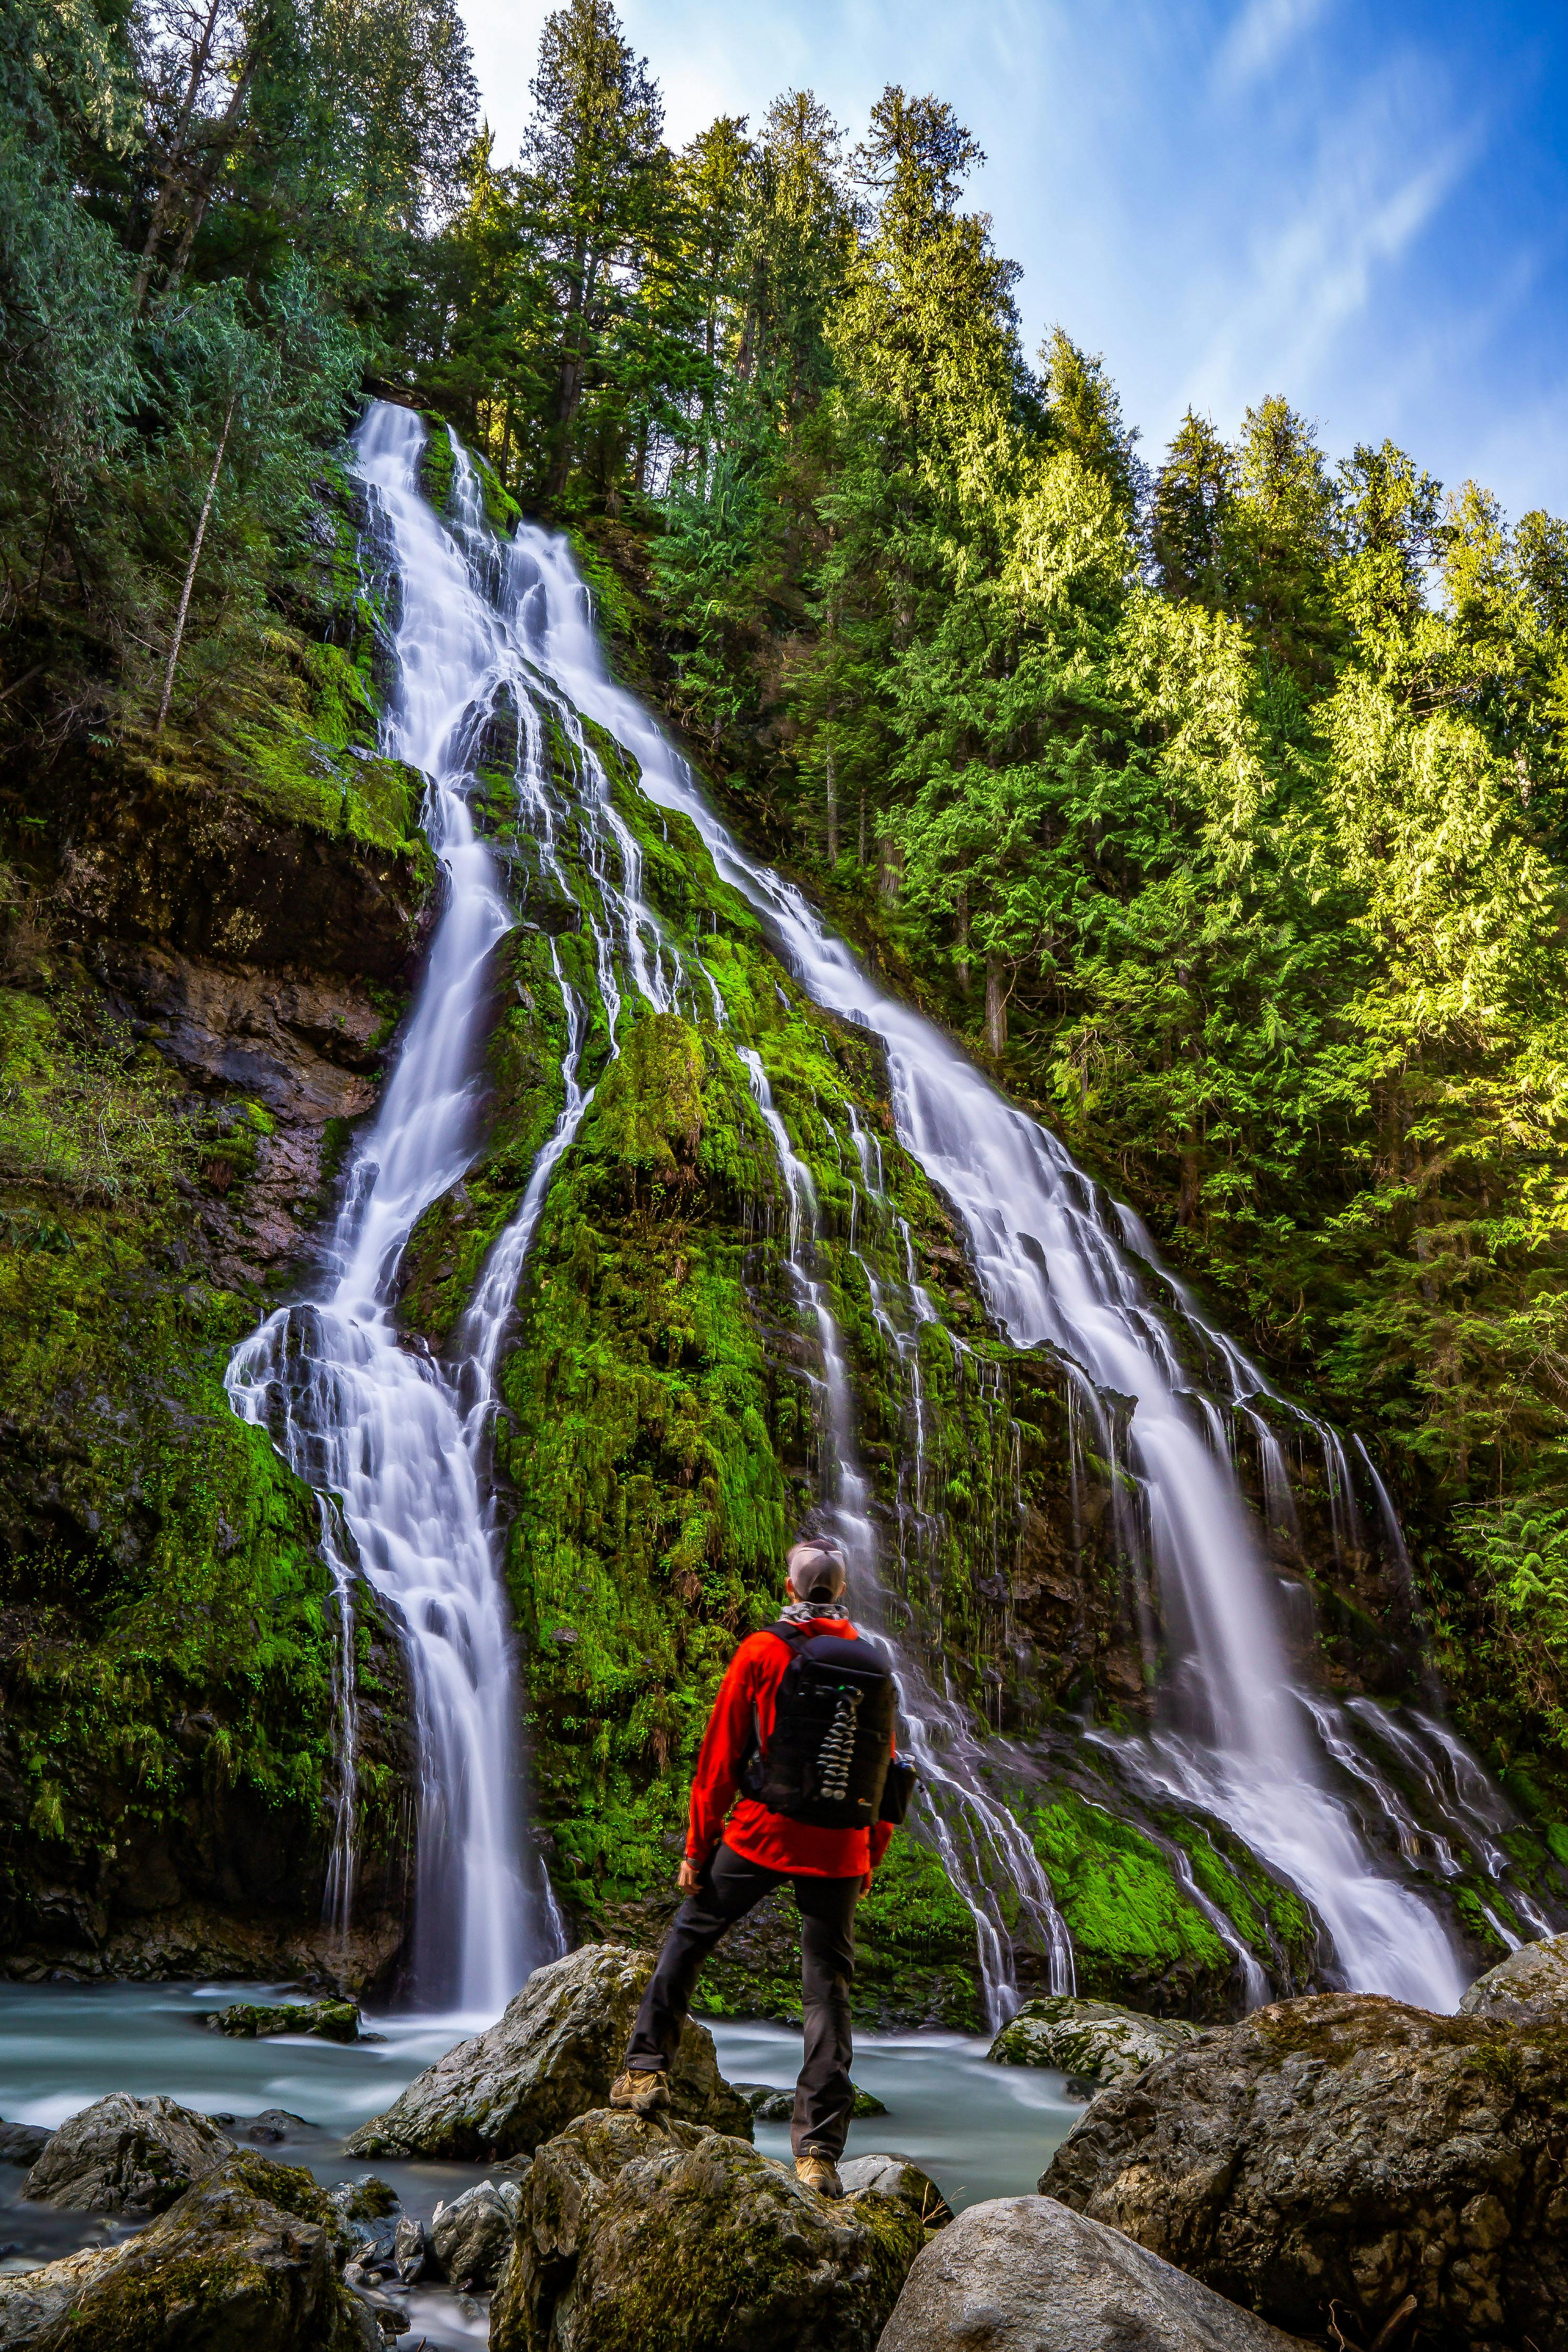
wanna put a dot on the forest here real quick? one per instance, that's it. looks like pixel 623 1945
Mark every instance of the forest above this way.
pixel 1218 796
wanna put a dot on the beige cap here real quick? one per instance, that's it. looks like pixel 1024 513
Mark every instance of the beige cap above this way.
pixel 817 1569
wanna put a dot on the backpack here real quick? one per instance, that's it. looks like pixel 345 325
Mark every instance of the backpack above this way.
pixel 827 1761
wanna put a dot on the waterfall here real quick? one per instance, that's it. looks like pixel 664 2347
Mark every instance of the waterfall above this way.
pixel 1055 1267
pixel 402 1443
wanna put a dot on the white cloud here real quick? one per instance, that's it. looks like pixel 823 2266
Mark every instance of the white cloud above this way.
pixel 1260 37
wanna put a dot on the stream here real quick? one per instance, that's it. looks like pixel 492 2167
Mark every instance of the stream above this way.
pixel 979 2130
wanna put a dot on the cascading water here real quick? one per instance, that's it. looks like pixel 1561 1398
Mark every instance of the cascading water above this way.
pixel 405 1443
pixel 1053 1270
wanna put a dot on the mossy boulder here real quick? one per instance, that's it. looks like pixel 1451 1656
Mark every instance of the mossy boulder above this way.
pixel 330 2020
pixel 636 2237
pixel 553 2055
pixel 1534 1977
pixel 243 2262
pixel 125 2155
pixel 1093 2039
pixel 1343 2157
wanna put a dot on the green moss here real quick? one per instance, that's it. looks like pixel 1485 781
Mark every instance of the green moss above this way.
pixel 1133 1926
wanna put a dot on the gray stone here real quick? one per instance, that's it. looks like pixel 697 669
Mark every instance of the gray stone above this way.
pixel 895 2176
pixel 1093 2039
pixel 1535 1977
pixel 1337 2157
pixel 410 2250
pixel 330 2020
pixel 244 2261
pixel 637 2237
pixel 471 2237
pixel 126 2155
pixel 1023 2274
pixel 23 2143
pixel 552 2056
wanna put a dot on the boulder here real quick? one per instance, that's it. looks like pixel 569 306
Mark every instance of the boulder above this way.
pixel 23 2143
pixel 638 2237
pixel 1023 2274
pixel 472 2236
pixel 1342 2157
pixel 332 2021
pixel 552 2056
pixel 769 2104
pixel 1535 1977
pixel 242 2263
pixel 1094 2039
pixel 895 2176
pixel 126 2155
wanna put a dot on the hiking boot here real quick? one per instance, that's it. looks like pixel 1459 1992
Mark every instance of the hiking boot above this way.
pixel 817 2171
pixel 642 2089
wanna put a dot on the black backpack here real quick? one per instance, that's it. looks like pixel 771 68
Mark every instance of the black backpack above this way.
pixel 828 1760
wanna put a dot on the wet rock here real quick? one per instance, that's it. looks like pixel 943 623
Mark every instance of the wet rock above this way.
pixel 471 2237
pixel 125 2155
pixel 1094 2039
pixel 410 2250
pixel 333 2021
pixel 366 2200
pixel 552 2056
pixel 23 2143
pixel 1335 2157
pixel 273 2127
pixel 1535 1977
pixel 664 2238
pixel 1023 2274
pixel 895 2176
pixel 242 2262
pixel 771 2105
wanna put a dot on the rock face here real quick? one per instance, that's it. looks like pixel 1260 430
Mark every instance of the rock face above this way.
pixel 1347 2150
pixel 1535 1977
pixel 637 2238
pixel 1023 2274
pixel 471 2237
pixel 552 2056
pixel 125 2155
pixel 1091 2038
pixel 242 2263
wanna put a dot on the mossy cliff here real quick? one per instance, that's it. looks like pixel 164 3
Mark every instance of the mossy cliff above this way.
pixel 207 945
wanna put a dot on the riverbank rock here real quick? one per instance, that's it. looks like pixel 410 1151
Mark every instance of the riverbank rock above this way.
pixel 1023 2274
pixel 332 2021
pixel 242 2263
pixel 639 2237
pixel 1094 2039
pixel 1344 2150
pixel 23 2143
pixel 769 2104
pixel 472 2236
pixel 895 2176
pixel 125 2155
pixel 553 2055
pixel 1535 1977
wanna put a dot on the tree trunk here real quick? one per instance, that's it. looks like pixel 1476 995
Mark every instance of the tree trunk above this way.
pixel 996 1010
pixel 860 853
pixel 200 52
pixel 832 810
pixel 961 921
pixel 191 567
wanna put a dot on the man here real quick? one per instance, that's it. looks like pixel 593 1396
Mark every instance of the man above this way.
pixel 735 1857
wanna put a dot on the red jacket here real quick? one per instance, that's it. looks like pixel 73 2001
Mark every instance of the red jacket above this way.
pixel 752 1830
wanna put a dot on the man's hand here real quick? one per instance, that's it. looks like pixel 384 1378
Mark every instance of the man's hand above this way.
pixel 865 1888
pixel 686 1877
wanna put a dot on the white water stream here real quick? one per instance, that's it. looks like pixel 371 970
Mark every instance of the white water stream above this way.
pixel 402 1443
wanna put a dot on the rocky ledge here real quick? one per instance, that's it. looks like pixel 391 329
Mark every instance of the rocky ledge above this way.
pixel 1344 2160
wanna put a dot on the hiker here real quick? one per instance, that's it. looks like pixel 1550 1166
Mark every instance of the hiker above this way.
pixel 800 1743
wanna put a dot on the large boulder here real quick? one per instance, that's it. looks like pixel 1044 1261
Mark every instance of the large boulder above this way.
pixel 243 2262
pixel 1344 2150
pixel 1094 2039
pixel 552 2056
pixel 1535 1977
pixel 895 2176
pixel 636 2237
pixel 1023 2274
pixel 126 2155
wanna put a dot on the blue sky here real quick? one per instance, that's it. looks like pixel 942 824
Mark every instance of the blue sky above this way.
pixel 1363 205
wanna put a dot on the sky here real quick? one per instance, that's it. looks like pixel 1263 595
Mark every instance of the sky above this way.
pixel 1361 204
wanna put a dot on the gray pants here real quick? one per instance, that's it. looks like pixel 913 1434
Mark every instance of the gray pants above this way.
pixel 730 1887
